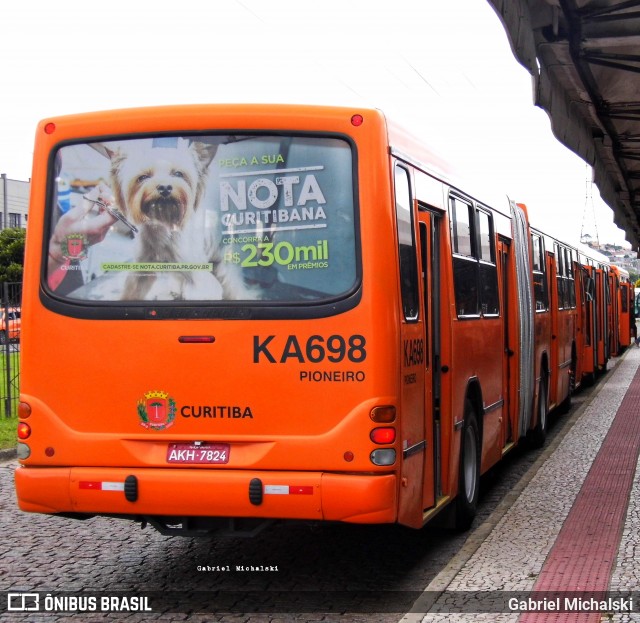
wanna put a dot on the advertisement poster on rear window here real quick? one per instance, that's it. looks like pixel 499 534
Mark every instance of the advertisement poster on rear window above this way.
pixel 204 218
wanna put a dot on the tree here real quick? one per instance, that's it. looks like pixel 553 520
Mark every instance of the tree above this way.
pixel 11 254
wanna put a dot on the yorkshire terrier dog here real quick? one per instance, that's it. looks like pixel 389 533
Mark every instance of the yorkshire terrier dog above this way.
pixel 160 189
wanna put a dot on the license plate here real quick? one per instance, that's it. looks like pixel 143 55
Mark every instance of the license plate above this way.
pixel 190 453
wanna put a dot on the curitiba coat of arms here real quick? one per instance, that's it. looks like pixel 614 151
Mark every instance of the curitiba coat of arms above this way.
pixel 74 247
pixel 157 410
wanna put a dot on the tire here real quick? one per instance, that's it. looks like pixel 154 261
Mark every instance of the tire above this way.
pixel 539 433
pixel 469 473
pixel 3 337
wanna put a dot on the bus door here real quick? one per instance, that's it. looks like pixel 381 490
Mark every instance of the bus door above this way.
pixel 583 338
pixel 624 326
pixel 430 226
pixel 591 319
pixel 412 435
pixel 604 311
pixel 612 316
pixel 555 301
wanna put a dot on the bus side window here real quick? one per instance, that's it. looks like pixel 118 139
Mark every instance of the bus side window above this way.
pixel 571 284
pixel 407 247
pixel 539 274
pixel 489 300
pixel 560 276
pixel 465 264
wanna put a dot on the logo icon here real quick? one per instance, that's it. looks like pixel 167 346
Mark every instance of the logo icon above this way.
pixel 157 410
pixel 23 602
pixel 74 247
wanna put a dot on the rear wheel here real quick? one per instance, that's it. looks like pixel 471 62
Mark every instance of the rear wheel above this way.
pixel 469 473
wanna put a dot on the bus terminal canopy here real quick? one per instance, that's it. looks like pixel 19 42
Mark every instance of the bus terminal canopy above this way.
pixel 584 56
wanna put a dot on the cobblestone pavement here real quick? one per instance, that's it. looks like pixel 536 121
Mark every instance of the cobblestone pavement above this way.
pixel 506 560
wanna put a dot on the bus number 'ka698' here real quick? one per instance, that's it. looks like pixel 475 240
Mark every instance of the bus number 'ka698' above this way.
pixel 413 352
pixel 316 349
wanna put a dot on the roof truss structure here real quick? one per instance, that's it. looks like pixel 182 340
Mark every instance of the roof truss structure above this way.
pixel 584 57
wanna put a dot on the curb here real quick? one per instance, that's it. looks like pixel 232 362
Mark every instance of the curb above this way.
pixel 7 455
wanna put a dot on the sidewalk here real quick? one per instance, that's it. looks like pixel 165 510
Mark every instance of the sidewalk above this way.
pixel 573 528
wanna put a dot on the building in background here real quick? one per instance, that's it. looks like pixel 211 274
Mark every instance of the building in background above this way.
pixel 14 202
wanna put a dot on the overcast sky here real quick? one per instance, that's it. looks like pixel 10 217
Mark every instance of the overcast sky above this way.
pixel 442 69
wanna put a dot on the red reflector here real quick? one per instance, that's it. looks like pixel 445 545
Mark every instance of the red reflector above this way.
pixel 383 435
pixel 196 339
pixel 97 485
pixel 357 120
pixel 24 430
pixel 300 490
pixel 50 128
pixel 84 484
pixel 288 490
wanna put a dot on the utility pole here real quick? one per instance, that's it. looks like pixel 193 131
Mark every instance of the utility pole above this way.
pixel 589 220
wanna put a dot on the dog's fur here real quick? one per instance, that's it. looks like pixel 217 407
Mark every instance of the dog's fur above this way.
pixel 159 189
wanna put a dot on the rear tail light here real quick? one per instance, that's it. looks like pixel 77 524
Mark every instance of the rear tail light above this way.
pixel 383 435
pixel 383 415
pixel 23 451
pixel 196 339
pixel 24 430
pixel 24 410
pixel 383 456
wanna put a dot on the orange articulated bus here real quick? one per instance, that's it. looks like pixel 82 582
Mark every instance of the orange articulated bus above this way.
pixel 251 313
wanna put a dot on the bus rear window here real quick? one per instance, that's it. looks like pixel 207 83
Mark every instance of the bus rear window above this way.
pixel 203 218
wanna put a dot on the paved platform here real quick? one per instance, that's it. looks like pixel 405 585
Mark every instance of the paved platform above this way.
pixel 565 546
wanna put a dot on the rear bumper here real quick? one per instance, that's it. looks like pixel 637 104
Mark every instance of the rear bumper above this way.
pixel 208 493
